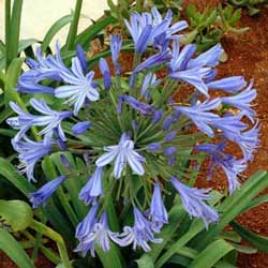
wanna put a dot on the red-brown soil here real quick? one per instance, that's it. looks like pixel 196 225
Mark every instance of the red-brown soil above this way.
pixel 41 262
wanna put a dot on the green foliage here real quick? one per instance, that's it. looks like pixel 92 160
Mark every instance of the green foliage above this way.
pixel 16 218
pixel 11 174
pixel 17 214
pixel 212 254
pixel 253 6
pixel 260 242
pixel 122 9
pixel 70 41
pixel 54 29
pixel 206 28
pixel 187 243
pixel 12 30
pixel 209 26
pixel 14 250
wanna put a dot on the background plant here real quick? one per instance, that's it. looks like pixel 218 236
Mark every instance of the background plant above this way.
pixel 206 28
pixel 253 6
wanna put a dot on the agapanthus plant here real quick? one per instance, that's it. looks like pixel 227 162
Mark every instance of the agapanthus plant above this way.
pixel 140 145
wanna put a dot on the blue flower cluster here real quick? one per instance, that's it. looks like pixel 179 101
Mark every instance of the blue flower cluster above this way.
pixel 134 129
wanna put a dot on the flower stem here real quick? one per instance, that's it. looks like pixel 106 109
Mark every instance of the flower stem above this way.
pixel 139 5
pixel 70 42
pixel 179 245
pixel 49 253
pixel 7 29
pixel 45 230
pixel 115 105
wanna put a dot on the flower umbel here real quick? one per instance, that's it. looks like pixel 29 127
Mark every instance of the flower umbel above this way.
pixel 122 139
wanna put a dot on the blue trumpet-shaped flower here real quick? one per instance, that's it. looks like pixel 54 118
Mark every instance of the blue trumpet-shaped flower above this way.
pixel 154 147
pixel 231 84
pixel 81 87
pixel 158 212
pixel 105 71
pixel 150 80
pixel 193 200
pixel 170 136
pixel 209 58
pixel 93 188
pixel 146 27
pixel 116 45
pixel 23 122
pixel 231 166
pixel 232 171
pixel 84 228
pixel 30 152
pixel 140 235
pixel 180 57
pixel 242 101
pixel 144 39
pixel 249 141
pixel 81 127
pixel 155 60
pixel 99 234
pixel 49 119
pixel 50 67
pixel 141 107
pixel 41 196
pixel 122 154
pixel 81 55
pixel 231 126
pixel 193 71
pixel 201 114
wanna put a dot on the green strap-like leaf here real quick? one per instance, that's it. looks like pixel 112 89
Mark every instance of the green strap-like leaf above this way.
pixel 23 44
pixel 70 41
pixel 11 78
pixel 93 30
pixel 257 201
pixel 16 213
pixel 176 216
pixel 145 262
pixel 235 204
pixel 196 227
pixel 8 171
pixel 260 242
pixel 12 24
pixel 50 171
pixel 14 250
pixel 111 258
pixel 187 235
pixel 212 254
pixel 73 185
pixel 54 29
